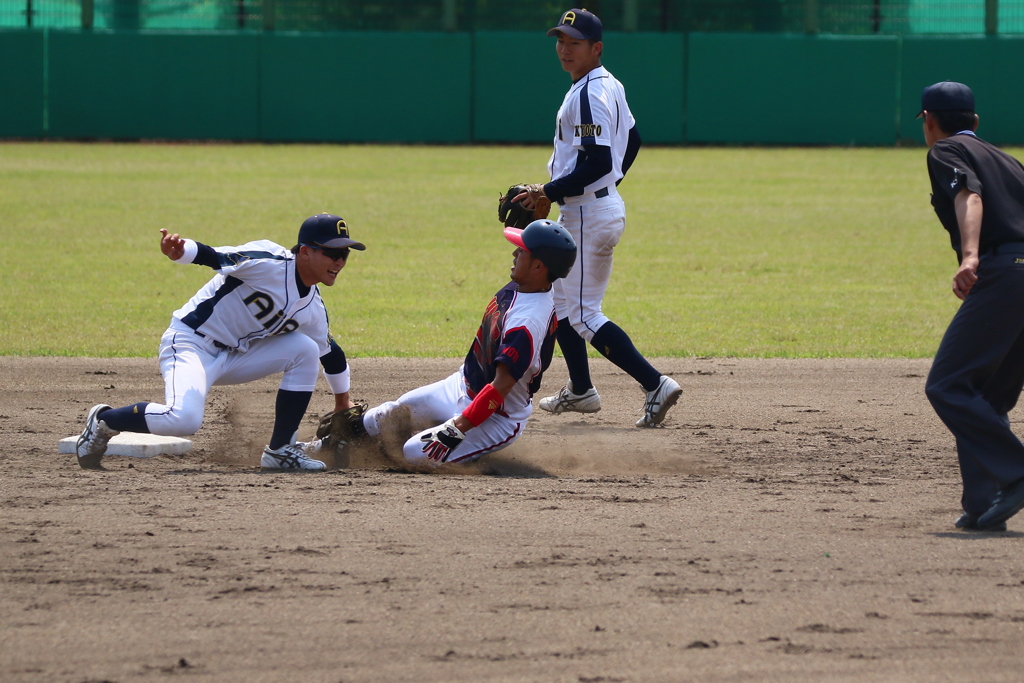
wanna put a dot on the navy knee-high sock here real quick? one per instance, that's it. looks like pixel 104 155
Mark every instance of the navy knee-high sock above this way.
pixel 615 345
pixel 128 419
pixel 291 406
pixel 574 349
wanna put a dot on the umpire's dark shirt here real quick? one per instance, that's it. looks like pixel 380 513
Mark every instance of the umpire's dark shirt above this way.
pixel 966 161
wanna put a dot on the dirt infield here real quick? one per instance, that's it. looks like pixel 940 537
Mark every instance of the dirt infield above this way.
pixel 791 522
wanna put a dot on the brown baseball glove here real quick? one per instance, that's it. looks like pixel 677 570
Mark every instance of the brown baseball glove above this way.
pixel 340 428
pixel 514 214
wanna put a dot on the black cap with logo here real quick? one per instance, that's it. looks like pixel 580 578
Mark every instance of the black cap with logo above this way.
pixel 325 230
pixel 580 24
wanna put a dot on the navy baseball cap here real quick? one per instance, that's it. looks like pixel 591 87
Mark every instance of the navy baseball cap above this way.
pixel 580 24
pixel 327 231
pixel 946 96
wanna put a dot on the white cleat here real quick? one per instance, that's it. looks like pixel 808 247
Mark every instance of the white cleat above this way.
pixel 659 401
pixel 314 448
pixel 290 457
pixel 565 401
pixel 92 444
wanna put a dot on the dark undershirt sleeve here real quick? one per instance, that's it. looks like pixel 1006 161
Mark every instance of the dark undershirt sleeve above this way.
pixel 595 162
pixel 334 361
pixel 207 256
pixel 632 149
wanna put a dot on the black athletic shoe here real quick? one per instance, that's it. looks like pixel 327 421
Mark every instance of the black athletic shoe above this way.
pixel 969 522
pixel 1008 502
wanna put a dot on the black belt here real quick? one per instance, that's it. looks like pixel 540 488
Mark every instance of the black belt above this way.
pixel 222 347
pixel 600 194
pixel 1007 248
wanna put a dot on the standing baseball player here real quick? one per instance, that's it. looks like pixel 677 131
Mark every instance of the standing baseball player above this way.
pixel 595 143
pixel 483 407
pixel 261 314
pixel 978 371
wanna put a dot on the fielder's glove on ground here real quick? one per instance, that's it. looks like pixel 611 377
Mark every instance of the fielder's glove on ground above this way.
pixel 339 428
pixel 514 214
pixel 440 441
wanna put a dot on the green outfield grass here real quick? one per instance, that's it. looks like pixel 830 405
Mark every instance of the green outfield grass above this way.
pixel 727 252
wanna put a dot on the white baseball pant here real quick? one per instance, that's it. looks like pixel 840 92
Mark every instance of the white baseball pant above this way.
pixel 191 364
pixel 597 227
pixel 436 403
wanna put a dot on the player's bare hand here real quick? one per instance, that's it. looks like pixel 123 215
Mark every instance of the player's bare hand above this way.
pixel 172 246
pixel 965 277
pixel 342 401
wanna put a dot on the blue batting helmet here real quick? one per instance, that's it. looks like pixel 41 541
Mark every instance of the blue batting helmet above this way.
pixel 549 242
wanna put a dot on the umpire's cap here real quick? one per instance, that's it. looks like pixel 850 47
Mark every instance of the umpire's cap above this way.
pixel 946 96
pixel 325 230
pixel 549 242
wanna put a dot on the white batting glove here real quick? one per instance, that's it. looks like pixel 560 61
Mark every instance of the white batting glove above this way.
pixel 440 441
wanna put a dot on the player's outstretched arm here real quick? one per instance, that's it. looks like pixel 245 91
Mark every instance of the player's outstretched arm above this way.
pixel 172 246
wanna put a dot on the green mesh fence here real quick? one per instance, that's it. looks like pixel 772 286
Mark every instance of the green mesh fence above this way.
pixel 850 17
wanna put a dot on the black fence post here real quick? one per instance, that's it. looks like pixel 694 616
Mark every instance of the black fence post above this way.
pixel 991 17
pixel 88 14
pixel 811 16
pixel 126 15
pixel 449 16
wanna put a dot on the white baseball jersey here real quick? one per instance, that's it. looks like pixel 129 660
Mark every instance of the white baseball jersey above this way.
pixel 517 330
pixel 215 337
pixel 594 112
pixel 254 294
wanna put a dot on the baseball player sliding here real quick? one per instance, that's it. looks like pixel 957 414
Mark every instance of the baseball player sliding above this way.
pixel 483 407
pixel 595 143
pixel 261 314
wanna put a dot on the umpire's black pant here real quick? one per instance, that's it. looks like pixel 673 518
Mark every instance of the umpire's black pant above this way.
pixel 977 377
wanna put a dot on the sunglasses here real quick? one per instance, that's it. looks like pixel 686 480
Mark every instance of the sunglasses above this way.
pixel 334 254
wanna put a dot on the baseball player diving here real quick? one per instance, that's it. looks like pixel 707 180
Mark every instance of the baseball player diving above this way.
pixel 595 143
pixel 483 406
pixel 260 315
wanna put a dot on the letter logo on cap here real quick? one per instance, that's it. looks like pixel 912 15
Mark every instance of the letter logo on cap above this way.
pixel 342 228
pixel 569 18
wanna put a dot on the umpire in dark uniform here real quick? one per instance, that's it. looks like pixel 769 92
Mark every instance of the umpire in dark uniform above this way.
pixel 978 372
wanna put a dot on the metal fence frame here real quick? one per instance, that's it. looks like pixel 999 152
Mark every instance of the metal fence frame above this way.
pixel 265 15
